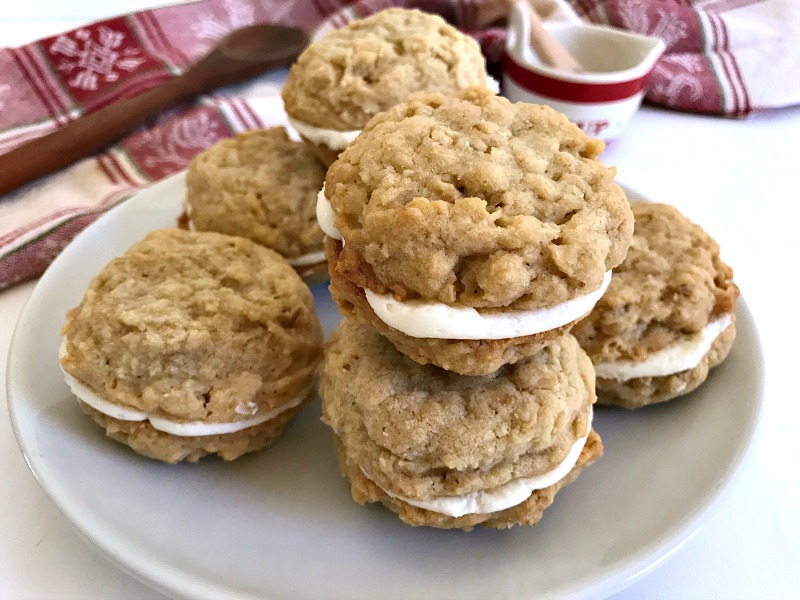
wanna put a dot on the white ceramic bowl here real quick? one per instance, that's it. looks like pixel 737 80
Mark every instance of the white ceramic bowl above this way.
pixel 602 99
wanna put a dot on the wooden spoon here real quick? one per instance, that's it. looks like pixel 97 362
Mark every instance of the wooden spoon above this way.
pixel 242 54
pixel 549 50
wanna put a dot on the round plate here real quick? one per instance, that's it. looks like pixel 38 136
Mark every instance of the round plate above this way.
pixel 281 524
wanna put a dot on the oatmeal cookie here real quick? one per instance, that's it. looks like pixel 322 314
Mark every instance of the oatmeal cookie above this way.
pixel 344 79
pixel 422 434
pixel 193 335
pixel 529 512
pixel 263 186
pixel 470 200
pixel 466 357
pixel 668 315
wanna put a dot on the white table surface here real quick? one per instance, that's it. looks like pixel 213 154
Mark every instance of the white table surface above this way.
pixel 738 178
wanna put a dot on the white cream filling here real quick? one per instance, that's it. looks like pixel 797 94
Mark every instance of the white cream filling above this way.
pixel 505 496
pixel 338 140
pixel 187 209
pixel 425 319
pixel 331 138
pixel 184 429
pixel 326 217
pixel 312 258
pixel 681 356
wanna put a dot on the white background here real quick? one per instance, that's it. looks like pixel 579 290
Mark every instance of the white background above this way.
pixel 738 178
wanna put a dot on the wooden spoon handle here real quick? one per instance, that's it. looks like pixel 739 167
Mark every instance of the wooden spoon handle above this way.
pixel 83 136
pixel 93 132
pixel 547 47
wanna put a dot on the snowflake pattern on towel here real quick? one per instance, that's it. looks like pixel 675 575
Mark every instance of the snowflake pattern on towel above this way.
pixel 98 64
pixel 684 79
pixel 169 146
pixel 90 59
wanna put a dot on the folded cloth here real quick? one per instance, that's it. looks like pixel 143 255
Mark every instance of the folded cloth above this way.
pixel 725 57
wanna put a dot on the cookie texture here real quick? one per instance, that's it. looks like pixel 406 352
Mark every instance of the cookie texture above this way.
pixel 260 185
pixel 326 156
pixel 470 200
pixel 419 431
pixel 143 438
pixel 466 357
pixel 342 80
pixel 194 326
pixel 672 283
pixel 643 391
pixel 529 512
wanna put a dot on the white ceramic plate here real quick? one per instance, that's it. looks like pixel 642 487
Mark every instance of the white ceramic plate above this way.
pixel 281 524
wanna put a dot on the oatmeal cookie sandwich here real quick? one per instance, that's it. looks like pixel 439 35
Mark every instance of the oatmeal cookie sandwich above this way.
pixel 668 315
pixel 448 451
pixel 469 230
pixel 345 78
pixel 263 186
pixel 193 343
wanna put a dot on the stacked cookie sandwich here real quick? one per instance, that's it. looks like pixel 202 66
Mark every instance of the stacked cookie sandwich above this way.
pixel 466 235
pixel 345 78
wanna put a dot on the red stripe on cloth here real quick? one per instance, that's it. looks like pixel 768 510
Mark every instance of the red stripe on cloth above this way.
pixel 21 59
pixel 728 59
pixel 62 101
pixel 117 167
pixel 571 91
pixel 141 23
pixel 244 121
pixel 106 169
pixel 176 53
pixel 19 232
pixel 746 108
pixel 720 46
pixel 253 114
pixel 32 259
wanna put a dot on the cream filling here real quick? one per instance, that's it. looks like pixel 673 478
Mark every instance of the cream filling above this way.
pixel 338 140
pixel 505 496
pixel 311 258
pixel 331 138
pixel 326 217
pixel 426 319
pixel 182 428
pixel 188 210
pixel 681 356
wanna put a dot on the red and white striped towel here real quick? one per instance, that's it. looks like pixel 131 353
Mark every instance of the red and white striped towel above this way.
pixel 726 57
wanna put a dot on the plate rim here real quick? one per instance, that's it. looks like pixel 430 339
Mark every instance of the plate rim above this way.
pixel 178 583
